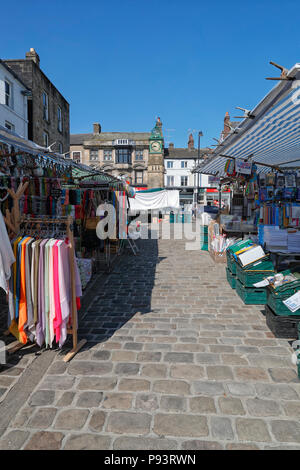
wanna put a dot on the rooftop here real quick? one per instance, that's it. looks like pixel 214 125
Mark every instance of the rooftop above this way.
pixel 173 152
pixel 13 74
pixel 79 139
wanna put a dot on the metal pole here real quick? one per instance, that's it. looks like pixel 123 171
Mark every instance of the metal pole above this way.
pixel 198 164
pixel 195 185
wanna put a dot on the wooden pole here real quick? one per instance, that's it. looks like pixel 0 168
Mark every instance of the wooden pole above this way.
pixel 76 346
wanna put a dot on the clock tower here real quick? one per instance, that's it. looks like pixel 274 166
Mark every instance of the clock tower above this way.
pixel 156 167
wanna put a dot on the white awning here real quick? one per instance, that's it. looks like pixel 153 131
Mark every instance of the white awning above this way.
pixel 155 200
pixel 272 137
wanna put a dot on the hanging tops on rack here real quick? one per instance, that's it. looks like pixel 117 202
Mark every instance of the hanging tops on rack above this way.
pixel 40 294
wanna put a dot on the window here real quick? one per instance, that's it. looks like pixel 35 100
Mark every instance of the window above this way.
pixel 76 156
pixel 45 106
pixel 94 155
pixel 9 126
pixel 184 180
pixel 183 164
pixel 170 180
pixel 169 164
pixel 60 147
pixel 139 155
pixel 139 177
pixel 107 155
pixel 46 139
pixel 8 94
pixel 123 156
pixel 59 119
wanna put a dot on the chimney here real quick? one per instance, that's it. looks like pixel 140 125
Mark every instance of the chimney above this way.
pixel 171 145
pixel 191 142
pixel 97 128
pixel 33 55
pixel 226 130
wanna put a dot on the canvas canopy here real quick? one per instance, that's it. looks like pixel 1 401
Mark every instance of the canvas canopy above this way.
pixel 271 136
pixel 149 200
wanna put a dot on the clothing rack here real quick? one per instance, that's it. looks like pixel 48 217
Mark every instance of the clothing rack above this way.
pixel 68 221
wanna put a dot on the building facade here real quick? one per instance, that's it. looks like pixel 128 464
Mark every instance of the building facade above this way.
pixel 13 102
pixel 48 110
pixel 135 156
pixel 179 165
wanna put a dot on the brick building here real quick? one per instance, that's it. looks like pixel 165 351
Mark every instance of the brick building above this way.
pixel 48 110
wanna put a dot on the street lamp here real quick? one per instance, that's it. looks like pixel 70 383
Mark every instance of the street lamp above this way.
pixel 200 134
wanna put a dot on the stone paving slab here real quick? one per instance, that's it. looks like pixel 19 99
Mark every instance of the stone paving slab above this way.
pixel 174 360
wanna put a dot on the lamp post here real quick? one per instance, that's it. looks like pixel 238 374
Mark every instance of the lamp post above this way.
pixel 195 184
pixel 200 134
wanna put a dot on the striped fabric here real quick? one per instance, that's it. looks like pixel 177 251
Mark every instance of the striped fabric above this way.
pixel 273 137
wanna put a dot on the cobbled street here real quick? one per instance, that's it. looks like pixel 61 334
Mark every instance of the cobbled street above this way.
pixel 174 360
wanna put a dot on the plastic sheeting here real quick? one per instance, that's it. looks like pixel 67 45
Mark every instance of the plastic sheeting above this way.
pixel 155 200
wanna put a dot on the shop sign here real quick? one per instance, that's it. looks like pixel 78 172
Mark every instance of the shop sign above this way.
pixel 243 167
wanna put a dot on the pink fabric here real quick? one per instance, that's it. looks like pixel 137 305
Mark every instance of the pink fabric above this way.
pixel 65 289
pixel 57 299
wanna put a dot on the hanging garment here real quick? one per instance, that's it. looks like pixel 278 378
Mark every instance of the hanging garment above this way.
pixel 6 255
pixel 40 326
pixel 64 290
pixel 23 299
pixel 29 326
pixel 58 315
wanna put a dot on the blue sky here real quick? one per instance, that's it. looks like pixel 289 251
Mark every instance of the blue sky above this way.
pixel 124 62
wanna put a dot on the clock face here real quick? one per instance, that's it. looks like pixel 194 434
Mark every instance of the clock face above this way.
pixel 155 146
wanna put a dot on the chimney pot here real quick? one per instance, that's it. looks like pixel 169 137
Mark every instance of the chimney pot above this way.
pixel 171 145
pixel 97 128
pixel 191 142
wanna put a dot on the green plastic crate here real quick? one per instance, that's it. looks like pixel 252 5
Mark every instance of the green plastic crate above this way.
pixel 276 296
pixel 238 246
pixel 204 246
pixel 251 295
pixel 254 272
pixel 204 228
pixel 231 262
pixel 231 278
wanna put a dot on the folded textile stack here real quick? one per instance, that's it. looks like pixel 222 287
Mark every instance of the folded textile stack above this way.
pixel 294 242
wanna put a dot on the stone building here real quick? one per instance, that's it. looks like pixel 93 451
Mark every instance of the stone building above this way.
pixel 48 111
pixel 136 156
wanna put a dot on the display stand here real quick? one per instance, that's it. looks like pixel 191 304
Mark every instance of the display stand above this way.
pixel 73 331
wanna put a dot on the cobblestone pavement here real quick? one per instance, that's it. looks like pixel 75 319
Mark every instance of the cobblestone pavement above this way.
pixel 174 360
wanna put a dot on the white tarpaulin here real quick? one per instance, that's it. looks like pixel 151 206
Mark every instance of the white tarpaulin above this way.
pixel 155 200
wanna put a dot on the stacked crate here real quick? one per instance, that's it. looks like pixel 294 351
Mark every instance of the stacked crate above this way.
pixel 248 275
pixel 276 296
pixel 231 261
pixel 282 322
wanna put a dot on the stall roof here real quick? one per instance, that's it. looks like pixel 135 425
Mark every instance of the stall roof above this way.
pixel 24 145
pixel 271 137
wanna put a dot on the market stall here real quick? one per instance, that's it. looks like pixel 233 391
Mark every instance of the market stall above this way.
pixel 45 214
pixel 259 237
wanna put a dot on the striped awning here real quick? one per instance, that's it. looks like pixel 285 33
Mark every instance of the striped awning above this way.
pixel 272 137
